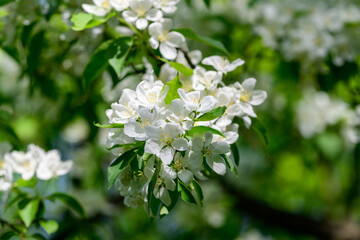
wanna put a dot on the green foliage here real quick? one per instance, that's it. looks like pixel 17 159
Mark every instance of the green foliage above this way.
pixel 172 87
pixel 198 190
pixel 120 164
pixel 181 68
pixel 153 202
pixel 203 129
pixel 7 235
pixel 28 209
pixel 114 125
pixel 260 129
pixel 213 114
pixel 111 52
pixel 185 193
pixel 190 34
pixel 82 20
pixel 69 201
pixel 229 163
pixel 50 226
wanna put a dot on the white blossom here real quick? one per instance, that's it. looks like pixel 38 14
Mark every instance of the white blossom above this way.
pixel 203 79
pixel 212 152
pixel 140 12
pixel 50 165
pixel 167 41
pixel 167 6
pixel 222 64
pixel 164 141
pixel 195 102
pixel 101 7
pixel 125 110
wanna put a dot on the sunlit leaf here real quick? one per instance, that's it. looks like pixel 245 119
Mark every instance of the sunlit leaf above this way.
pixel 50 226
pixel 27 209
pixel 190 34
pixel 203 129
pixel 82 20
pixel 213 114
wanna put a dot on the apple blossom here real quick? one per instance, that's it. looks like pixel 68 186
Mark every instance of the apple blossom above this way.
pixel 221 64
pixel 162 38
pixel 140 12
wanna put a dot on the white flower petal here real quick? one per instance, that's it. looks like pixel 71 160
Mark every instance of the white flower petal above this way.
pixel 166 155
pixel 185 176
pixel 175 39
pixel 258 97
pixel 153 146
pixel 141 23
pixel 168 51
pixel 154 15
pixel 216 163
pixel 220 148
pixel 130 16
pixel 195 160
pixel 180 144
pixel 249 84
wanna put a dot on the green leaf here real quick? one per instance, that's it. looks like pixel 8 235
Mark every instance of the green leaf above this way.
pixel 198 190
pixel 185 193
pixel 236 154
pixel 190 34
pixel 15 200
pixel 114 125
pixel 259 128
pixel 105 53
pixel 164 211
pixel 188 72
pixel 173 86
pixel 130 145
pixel 82 20
pixel 119 165
pixel 207 3
pixel 36 236
pixel 229 163
pixel 153 202
pixel 27 209
pixel 50 226
pixel 4 2
pixel 123 49
pixel 27 183
pixel 69 201
pixel 213 114
pixel 203 129
pixel 7 235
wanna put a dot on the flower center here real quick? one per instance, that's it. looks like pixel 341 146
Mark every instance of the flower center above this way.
pixel 106 4
pixel 140 11
pixel 2 164
pixel 145 123
pixel 196 100
pixel 165 139
pixel 27 165
pixel 163 37
pixel 153 98
pixel 246 95
pixel 177 165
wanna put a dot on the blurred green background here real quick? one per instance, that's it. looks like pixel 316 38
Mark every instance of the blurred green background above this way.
pixel 295 187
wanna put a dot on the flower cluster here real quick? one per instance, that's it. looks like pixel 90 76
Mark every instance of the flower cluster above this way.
pixel 45 165
pixel 182 132
pixel 317 110
pixel 177 125
pixel 140 13
pixel 306 30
